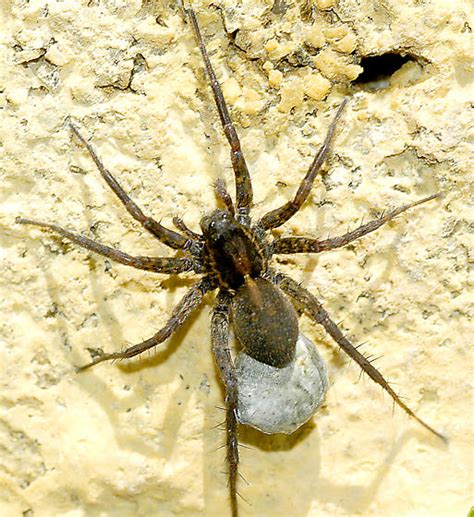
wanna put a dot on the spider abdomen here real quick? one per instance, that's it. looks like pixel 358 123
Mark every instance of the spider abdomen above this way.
pixel 265 322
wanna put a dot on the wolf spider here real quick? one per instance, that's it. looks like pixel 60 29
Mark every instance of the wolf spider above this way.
pixel 232 255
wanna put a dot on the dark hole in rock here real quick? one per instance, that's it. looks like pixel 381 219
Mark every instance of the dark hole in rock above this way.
pixel 378 70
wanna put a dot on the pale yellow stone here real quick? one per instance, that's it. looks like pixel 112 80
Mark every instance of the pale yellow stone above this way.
pixel 337 32
pixel 329 63
pixel 231 89
pixel 347 44
pixel 408 74
pixel 251 101
pixel 255 38
pixel 315 37
pixel 32 11
pixel 59 55
pixel 271 45
pixel 17 96
pixel 292 94
pixel 325 4
pixel 158 34
pixel 316 86
pixel 275 78
pixel 351 72
pixel 79 88
pixel 277 50
pixel 342 38
pixel 332 65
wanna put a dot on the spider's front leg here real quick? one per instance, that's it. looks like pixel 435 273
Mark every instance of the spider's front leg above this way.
pixel 307 245
pixel 165 235
pixel 317 312
pixel 220 348
pixel 243 183
pixel 168 265
pixel 190 301
pixel 281 215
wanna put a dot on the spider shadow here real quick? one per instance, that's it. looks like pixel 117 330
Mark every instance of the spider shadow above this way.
pixel 137 371
pixel 101 390
pixel 356 499
pixel 274 442
pixel 353 499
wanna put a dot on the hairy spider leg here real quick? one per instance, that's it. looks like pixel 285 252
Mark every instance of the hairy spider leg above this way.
pixel 190 301
pixel 308 245
pixel 183 228
pixel 167 265
pixel 220 349
pixel 243 183
pixel 281 215
pixel 224 196
pixel 317 312
pixel 168 237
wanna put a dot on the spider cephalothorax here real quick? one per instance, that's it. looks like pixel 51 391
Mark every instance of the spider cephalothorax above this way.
pixel 231 251
pixel 232 255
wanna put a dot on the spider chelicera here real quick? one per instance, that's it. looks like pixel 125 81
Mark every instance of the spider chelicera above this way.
pixel 233 255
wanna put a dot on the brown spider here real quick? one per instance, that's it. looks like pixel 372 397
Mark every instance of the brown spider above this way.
pixel 232 255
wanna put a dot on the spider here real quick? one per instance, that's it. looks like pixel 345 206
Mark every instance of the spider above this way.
pixel 233 255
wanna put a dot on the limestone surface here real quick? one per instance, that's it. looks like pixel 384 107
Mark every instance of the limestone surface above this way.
pixel 140 439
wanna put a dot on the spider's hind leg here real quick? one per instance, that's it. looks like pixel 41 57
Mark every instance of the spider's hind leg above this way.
pixel 190 301
pixel 317 312
pixel 220 348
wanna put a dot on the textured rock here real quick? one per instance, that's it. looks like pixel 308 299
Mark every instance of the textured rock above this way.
pixel 138 440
